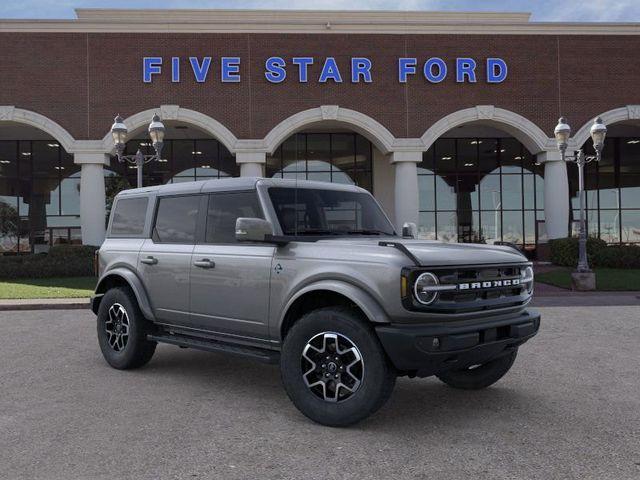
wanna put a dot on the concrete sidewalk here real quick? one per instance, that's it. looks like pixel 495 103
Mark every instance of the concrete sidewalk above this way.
pixel 43 304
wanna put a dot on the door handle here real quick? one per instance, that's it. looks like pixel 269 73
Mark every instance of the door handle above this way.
pixel 149 260
pixel 204 263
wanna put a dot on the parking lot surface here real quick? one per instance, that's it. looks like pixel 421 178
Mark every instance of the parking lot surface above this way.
pixel 569 408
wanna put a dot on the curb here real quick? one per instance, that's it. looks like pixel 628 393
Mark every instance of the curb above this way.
pixel 44 304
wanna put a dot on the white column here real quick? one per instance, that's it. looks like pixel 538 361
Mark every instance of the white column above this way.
pixel 251 163
pixel 406 187
pixel 556 194
pixel 92 196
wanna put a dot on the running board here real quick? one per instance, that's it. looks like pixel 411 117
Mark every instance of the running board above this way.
pixel 260 354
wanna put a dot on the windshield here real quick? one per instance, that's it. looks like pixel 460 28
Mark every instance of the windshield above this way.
pixel 307 211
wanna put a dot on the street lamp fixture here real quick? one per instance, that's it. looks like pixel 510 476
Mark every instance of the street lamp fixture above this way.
pixel 562 133
pixel 119 133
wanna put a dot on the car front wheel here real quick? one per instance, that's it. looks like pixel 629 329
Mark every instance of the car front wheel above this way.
pixel 334 368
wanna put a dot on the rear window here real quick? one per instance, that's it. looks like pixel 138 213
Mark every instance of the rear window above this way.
pixel 129 215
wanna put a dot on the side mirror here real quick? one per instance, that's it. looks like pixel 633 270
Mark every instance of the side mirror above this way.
pixel 252 229
pixel 409 230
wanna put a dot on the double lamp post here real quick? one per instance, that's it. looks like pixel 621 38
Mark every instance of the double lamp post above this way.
pixel 119 133
pixel 562 133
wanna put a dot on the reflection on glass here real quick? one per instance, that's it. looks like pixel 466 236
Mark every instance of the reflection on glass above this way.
pixel 328 157
pixel 492 225
pixel 630 196
pixel 427 226
pixel 610 225
pixel 490 198
pixel 426 192
pixel 512 230
pixel 469 227
pixel 445 195
pixel 630 226
pixel 447 227
pixel 479 199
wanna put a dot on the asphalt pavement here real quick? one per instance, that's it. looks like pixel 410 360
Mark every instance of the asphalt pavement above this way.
pixel 569 408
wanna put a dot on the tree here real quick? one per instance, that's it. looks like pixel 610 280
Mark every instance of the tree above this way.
pixel 113 185
pixel 9 221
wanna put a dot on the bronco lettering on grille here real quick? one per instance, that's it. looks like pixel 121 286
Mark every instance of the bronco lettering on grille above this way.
pixel 508 282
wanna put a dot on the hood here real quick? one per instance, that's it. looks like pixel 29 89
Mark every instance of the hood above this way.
pixel 434 253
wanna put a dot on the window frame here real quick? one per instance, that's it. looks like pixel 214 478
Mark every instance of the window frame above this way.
pixel 152 232
pixel 204 217
pixel 142 234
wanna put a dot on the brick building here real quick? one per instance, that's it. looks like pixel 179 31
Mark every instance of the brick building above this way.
pixel 447 118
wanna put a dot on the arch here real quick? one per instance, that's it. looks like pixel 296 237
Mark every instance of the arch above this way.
pixel 527 132
pixel 9 113
pixel 177 113
pixel 373 130
pixel 629 112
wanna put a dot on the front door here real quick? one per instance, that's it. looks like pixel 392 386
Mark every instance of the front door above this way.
pixel 165 259
pixel 230 280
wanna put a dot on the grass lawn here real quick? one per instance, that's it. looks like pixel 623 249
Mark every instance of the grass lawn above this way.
pixel 607 279
pixel 71 287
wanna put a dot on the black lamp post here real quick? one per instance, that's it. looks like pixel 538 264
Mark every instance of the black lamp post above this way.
pixel 562 133
pixel 156 132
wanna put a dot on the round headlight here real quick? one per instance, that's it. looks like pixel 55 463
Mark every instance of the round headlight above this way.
pixel 526 278
pixel 423 288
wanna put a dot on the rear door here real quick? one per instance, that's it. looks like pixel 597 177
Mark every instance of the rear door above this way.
pixel 165 258
pixel 230 280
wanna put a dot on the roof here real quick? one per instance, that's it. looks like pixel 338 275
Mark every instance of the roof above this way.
pixel 229 184
pixel 310 21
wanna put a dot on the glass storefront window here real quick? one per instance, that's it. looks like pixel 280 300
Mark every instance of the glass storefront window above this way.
pixel 481 190
pixel 612 189
pixel 182 161
pixel 39 195
pixel 327 157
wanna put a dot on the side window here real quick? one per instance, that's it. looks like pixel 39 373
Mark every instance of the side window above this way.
pixel 176 219
pixel 223 211
pixel 129 215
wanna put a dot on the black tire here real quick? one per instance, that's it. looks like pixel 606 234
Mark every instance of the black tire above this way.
pixel 134 351
pixel 377 375
pixel 481 376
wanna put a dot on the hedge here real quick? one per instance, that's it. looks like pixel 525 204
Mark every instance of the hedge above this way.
pixel 564 252
pixel 61 261
pixel 618 256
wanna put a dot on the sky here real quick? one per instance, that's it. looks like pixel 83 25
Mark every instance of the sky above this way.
pixel 542 10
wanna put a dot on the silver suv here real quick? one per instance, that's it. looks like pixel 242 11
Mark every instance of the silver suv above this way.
pixel 311 276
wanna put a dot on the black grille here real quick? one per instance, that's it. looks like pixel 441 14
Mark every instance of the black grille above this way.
pixel 475 299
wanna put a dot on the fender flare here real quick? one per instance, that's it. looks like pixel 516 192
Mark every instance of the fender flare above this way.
pixel 134 283
pixel 369 305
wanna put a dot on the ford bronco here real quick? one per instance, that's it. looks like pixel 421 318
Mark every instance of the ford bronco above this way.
pixel 311 276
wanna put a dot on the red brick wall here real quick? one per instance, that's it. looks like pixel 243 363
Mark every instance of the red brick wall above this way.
pixel 82 80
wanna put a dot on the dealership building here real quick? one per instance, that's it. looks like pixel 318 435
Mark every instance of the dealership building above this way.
pixel 447 118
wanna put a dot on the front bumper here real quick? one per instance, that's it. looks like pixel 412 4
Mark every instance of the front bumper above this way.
pixel 428 349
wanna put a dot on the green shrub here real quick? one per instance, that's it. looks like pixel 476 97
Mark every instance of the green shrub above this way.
pixel 61 261
pixel 618 256
pixel 564 251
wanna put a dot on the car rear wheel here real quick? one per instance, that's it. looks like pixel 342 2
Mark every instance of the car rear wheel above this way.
pixel 334 368
pixel 477 377
pixel 122 330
